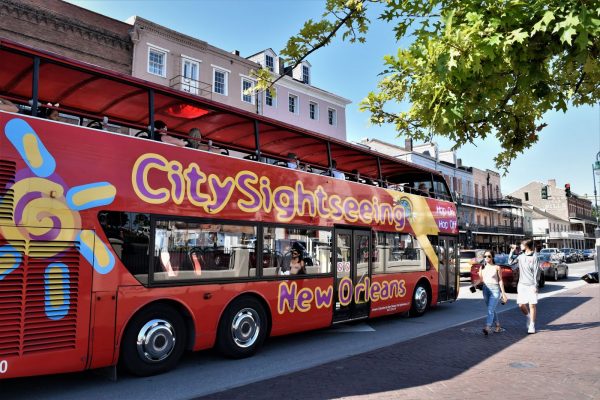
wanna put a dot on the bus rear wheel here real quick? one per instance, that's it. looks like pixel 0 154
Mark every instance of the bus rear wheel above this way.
pixel 153 341
pixel 242 329
pixel 420 301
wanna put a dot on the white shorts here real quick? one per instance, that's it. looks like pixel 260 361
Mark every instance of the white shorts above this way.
pixel 526 294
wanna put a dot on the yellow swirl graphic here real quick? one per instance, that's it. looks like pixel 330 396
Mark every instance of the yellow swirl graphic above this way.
pixel 41 214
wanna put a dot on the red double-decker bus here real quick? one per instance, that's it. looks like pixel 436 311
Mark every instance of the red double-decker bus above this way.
pixel 119 249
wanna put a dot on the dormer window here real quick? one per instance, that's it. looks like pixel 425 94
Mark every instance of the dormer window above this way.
pixel 306 74
pixel 269 63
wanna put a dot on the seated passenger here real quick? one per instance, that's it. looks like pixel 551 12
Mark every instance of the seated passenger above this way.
pixel 161 135
pixel 335 173
pixel 8 106
pixel 297 266
pixel 195 142
pixel 423 191
pixel 293 161
pixel 52 113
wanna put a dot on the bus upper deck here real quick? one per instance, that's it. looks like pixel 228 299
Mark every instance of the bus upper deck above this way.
pixel 92 96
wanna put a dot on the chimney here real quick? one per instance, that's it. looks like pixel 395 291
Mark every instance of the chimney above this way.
pixel 281 67
pixel 552 182
pixel 408 144
pixel 236 52
pixel 458 163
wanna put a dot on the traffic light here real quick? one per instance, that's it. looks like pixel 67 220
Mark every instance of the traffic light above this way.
pixel 568 190
pixel 545 192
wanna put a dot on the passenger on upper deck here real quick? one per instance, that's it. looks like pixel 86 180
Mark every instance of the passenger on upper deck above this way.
pixel 423 191
pixel 293 161
pixel 335 173
pixel 161 135
pixel 52 113
pixel 195 142
pixel 8 106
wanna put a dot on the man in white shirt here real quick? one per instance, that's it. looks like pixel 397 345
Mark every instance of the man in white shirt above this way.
pixel 335 173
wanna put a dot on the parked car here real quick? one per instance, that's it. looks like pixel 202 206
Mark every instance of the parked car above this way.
pixel 555 252
pixel 510 274
pixel 552 269
pixel 467 259
pixel 580 254
pixel 570 255
pixel 589 254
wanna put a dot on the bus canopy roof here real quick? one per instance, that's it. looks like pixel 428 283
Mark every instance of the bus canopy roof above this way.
pixel 94 92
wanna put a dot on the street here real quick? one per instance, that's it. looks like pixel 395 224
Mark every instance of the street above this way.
pixel 207 373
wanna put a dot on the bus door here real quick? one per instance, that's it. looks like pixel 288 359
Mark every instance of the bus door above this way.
pixel 447 270
pixel 352 268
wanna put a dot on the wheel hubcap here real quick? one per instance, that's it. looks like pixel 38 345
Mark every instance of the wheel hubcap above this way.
pixel 421 299
pixel 156 340
pixel 245 327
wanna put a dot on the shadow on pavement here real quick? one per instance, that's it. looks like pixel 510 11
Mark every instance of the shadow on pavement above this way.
pixel 421 361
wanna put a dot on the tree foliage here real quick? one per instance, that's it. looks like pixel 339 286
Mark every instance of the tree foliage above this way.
pixel 474 68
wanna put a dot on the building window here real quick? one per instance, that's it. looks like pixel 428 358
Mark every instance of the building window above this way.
pixel 157 60
pixel 247 97
pixel 332 117
pixel 526 196
pixel 293 103
pixel 220 82
pixel 305 74
pixel 269 99
pixel 269 62
pixel 313 110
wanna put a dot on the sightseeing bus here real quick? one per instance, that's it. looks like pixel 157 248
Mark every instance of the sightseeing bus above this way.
pixel 118 249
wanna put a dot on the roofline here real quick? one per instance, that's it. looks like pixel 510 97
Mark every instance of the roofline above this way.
pixel 128 79
pixel 262 51
pixel 199 42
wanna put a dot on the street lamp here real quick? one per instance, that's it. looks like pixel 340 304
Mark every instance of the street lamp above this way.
pixel 596 171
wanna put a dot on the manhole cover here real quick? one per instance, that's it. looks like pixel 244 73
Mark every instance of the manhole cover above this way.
pixel 522 364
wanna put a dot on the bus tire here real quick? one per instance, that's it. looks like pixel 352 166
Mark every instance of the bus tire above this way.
pixel 420 300
pixel 242 329
pixel 154 341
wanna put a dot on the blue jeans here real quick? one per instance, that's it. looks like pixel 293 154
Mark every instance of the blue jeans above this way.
pixel 491 296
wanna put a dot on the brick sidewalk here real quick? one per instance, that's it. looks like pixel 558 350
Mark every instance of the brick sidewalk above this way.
pixel 561 361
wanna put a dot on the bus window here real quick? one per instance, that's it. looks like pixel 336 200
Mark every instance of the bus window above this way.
pixel 441 188
pixel 398 252
pixel 196 251
pixel 128 234
pixel 286 246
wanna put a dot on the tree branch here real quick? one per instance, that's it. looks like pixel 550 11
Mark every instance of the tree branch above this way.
pixel 321 43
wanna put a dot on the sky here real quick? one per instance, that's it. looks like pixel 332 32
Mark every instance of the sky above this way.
pixel 566 149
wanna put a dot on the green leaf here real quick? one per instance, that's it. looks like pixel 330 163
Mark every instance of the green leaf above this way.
pixel 567 35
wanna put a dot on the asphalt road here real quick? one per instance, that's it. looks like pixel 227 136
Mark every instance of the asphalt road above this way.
pixel 206 372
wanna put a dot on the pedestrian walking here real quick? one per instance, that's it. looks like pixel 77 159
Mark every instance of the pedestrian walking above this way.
pixel 493 290
pixel 527 288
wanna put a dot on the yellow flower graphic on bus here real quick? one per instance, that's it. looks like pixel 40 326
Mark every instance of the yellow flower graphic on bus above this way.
pixel 45 210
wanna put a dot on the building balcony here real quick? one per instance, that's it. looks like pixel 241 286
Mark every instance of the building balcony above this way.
pixel 506 230
pixel 507 201
pixel 191 86
pixel 582 216
pixel 473 201
pixel 565 235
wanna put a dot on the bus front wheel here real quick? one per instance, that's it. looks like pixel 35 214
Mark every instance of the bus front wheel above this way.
pixel 420 301
pixel 242 329
pixel 153 341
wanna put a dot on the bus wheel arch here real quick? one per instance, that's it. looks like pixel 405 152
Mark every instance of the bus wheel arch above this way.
pixel 244 325
pixel 155 338
pixel 420 298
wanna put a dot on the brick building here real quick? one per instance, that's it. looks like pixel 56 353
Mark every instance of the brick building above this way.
pixel 68 30
pixel 575 209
